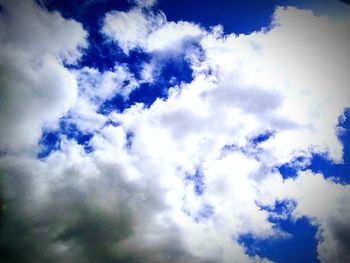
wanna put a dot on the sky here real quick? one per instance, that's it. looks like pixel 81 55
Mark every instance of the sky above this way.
pixel 174 131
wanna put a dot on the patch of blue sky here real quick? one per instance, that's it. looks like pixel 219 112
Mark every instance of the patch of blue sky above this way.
pixel 291 169
pixel 147 93
pixel 280 210
pixel 112 123
pixel 171 70
pixel 253 147
pixel 197 179
pixel 89 12
pixel 299 246
pixel 320 163
pixel 262 138
pixel 101 53
pixel 288 170
pixel 204 213
pixel 51 139
pixel 340 172
pixel 49 142
pixel 244 17
pixel 236 16
pixel 129 140
pixel 117 103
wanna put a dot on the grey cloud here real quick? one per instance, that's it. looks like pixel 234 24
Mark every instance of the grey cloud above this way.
pixel 250 99
pixel 79 219
pixel 34 43
pixel 338 230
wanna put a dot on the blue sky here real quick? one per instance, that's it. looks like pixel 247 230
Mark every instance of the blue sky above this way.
pixel 174 131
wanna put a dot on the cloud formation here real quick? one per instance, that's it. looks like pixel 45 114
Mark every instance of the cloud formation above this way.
pixel 149 31
pixel 34 46
pixel 182 179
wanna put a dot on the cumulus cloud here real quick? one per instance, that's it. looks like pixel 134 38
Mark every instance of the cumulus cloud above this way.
pixel 36 88
pixel 69 214
pixel 149 31
pixel 313 95
pixel 325 203
pixel 182 179
pixel 94 88
pixel 300 105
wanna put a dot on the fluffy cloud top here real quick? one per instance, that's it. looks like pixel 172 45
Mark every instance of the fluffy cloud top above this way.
pixel 312 99
pixel 138 28
pixel 36 88
pixel 183 179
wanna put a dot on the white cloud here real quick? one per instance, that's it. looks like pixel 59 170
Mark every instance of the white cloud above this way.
pixel 134 189
pixel 101 86
pixel 302 59
pixel 94 89
pixel 171 35
pixel 257 85
pixel 326 204
pixel 148 31
pixel 130 28
pixel 36 89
